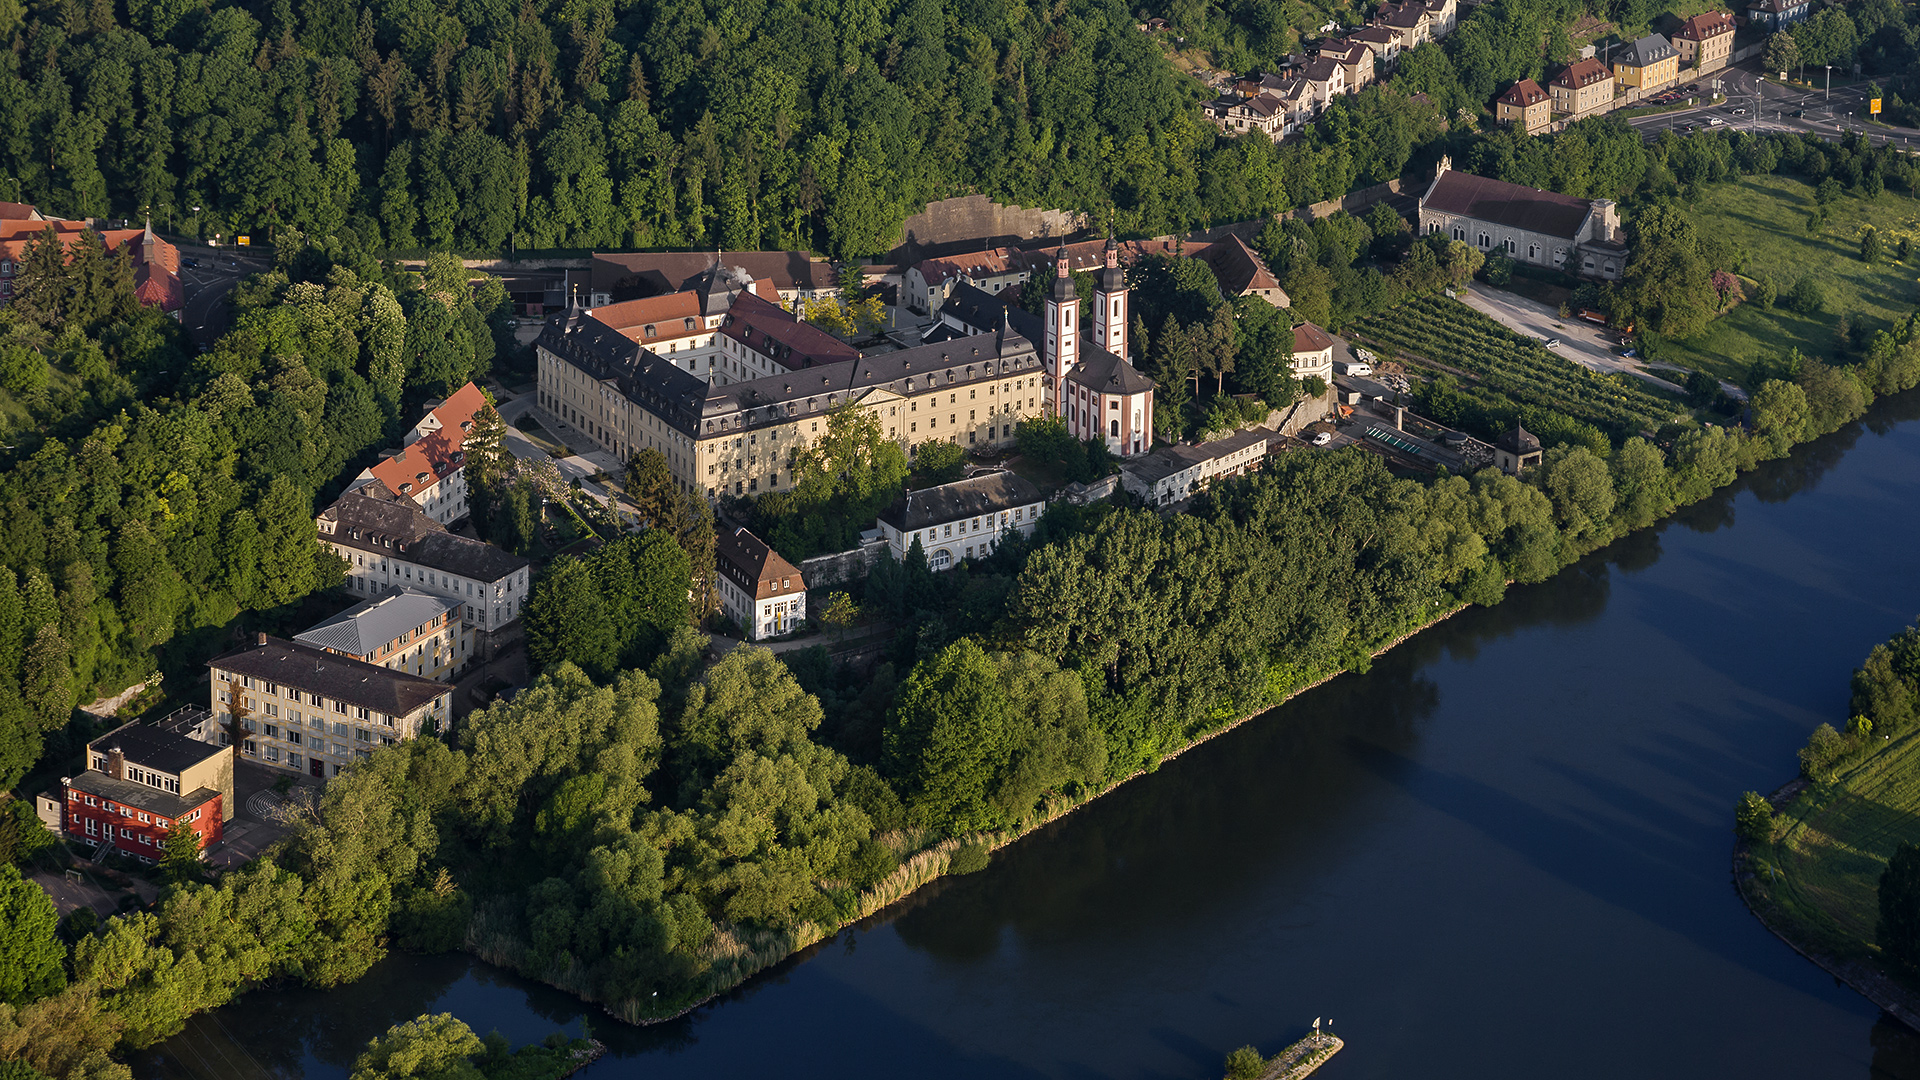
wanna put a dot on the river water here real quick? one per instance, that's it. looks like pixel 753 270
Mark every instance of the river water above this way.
pixel 1503 852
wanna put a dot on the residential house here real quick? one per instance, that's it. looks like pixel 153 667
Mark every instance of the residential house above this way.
pixel 390 545
pixel 1265 113
pixel 1384 43
pixel 429 469
pixel 1649 64
pixel 760 591
pixel 1582 89
pixel 1356 61
pixel 409 630
pixel 1328 78
pixel 926 284
pixel 1525 106
pixel 139 781
pixel 313 711
pixel 790 275
pixel 961 520
pixel 1312 353
pixel 1540 228
pixel 1705 42
pixel 1172 473
pixel 1774 15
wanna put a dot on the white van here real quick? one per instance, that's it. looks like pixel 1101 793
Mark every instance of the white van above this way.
pixel 1353 367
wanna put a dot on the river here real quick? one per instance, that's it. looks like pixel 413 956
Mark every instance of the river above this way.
pixel 1502 852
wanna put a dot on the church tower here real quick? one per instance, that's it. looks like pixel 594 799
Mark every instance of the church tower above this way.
pixel 1110 303
pixel 1063 351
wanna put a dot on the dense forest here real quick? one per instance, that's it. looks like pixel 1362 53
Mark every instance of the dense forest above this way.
pixel 161 494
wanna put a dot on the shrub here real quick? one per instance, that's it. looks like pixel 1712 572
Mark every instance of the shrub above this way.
pixel 1765 292
pixel 1245 1064
pixel 1753 818
pixel 1825 749
pixel 1808 297
pixel 970 859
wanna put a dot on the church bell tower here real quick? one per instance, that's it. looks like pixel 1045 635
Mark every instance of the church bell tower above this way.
pixel 1063 351
pixel 1110 303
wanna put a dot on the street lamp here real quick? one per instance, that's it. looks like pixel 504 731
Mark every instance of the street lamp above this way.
pixel 1829 83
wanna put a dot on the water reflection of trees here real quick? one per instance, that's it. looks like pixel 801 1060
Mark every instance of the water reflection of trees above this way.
pixel 1205 833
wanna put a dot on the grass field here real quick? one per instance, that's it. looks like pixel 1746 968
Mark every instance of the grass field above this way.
pixel 1830 846
pixel 1766 217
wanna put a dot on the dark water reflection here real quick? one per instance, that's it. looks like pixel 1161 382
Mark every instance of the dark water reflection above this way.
pixel 1503 852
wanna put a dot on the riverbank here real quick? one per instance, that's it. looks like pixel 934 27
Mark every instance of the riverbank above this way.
pixel 1297 1062
pixel 1814 882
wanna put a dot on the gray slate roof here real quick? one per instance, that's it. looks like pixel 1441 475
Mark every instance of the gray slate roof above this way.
pixel 1512 205
pixel 987 492
pixel 331 675
pixel 366 626
pixel 1168 460
pixel 396 528
pixel 154 748
pixel 1649 50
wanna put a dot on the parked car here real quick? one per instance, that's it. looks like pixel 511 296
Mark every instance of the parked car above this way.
pixel 1693 87
pixel 1323 438
pixel 1353 367
pixel 1551 343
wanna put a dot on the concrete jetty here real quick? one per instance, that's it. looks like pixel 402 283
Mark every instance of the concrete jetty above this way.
pixel 1302 1058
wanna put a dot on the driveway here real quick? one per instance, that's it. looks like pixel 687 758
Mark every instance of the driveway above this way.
pixel 1581 342
pixel 574 467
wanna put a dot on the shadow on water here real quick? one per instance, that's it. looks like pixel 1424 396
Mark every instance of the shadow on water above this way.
pixel 1250 825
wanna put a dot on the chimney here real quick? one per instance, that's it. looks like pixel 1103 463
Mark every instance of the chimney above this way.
pixel 261 639
pixel 116 764
pixel 1399 418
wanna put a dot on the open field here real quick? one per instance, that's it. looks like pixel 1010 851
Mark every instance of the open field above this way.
pixel 1766 216
pixel 1831 844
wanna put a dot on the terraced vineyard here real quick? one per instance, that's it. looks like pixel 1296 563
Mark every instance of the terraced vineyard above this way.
pixel 1449 335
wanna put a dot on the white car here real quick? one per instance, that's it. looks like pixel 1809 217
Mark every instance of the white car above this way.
pixel 1715 121
pixel 1323 438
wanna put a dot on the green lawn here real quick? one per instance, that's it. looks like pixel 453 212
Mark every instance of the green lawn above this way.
pixel 1765 217
pixel 1830 846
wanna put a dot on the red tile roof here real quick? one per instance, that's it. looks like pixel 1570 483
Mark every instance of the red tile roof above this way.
pixel 1523 93
pixel 424 462
pixel 1309 338
pixel 1583 73
pixel 769 329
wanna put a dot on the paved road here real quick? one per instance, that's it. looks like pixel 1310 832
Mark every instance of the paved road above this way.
pixel 206 313
pixel 1769 106
pixel 578 466
pixel 1581 342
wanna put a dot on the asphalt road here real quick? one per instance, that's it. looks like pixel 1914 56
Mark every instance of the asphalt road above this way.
pixel 1581 342
pixel 1770 105
pixel 206 314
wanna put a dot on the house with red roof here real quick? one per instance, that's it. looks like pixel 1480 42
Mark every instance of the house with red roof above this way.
pixel 429 469
pixel 156 263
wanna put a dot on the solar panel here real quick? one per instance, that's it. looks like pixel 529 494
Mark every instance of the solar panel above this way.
pixel 1396 442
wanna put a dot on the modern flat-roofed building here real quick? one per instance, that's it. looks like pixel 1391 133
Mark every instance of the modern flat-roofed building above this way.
pixel 759 590
pixel 312 711
pixel 140 779
pixel 409 631
pixel 961 520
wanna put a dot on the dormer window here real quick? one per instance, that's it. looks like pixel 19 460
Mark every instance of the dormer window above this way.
pixel 406 489
pixel 689 323
pixel 648 331
pixel 420 478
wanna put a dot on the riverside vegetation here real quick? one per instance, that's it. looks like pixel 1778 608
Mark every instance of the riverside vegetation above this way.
pixel 654 835
pixel 1836 871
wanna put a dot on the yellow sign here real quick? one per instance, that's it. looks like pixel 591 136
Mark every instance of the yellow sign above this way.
pixel 243 241
pixel 1874 106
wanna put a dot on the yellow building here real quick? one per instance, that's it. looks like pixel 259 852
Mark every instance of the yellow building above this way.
pixel 1705 42
pixel 1582 88
pixel 1649 64
pixel 1525 106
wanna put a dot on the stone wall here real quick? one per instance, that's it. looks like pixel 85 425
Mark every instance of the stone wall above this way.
pixel 976 222
pixel 841 567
